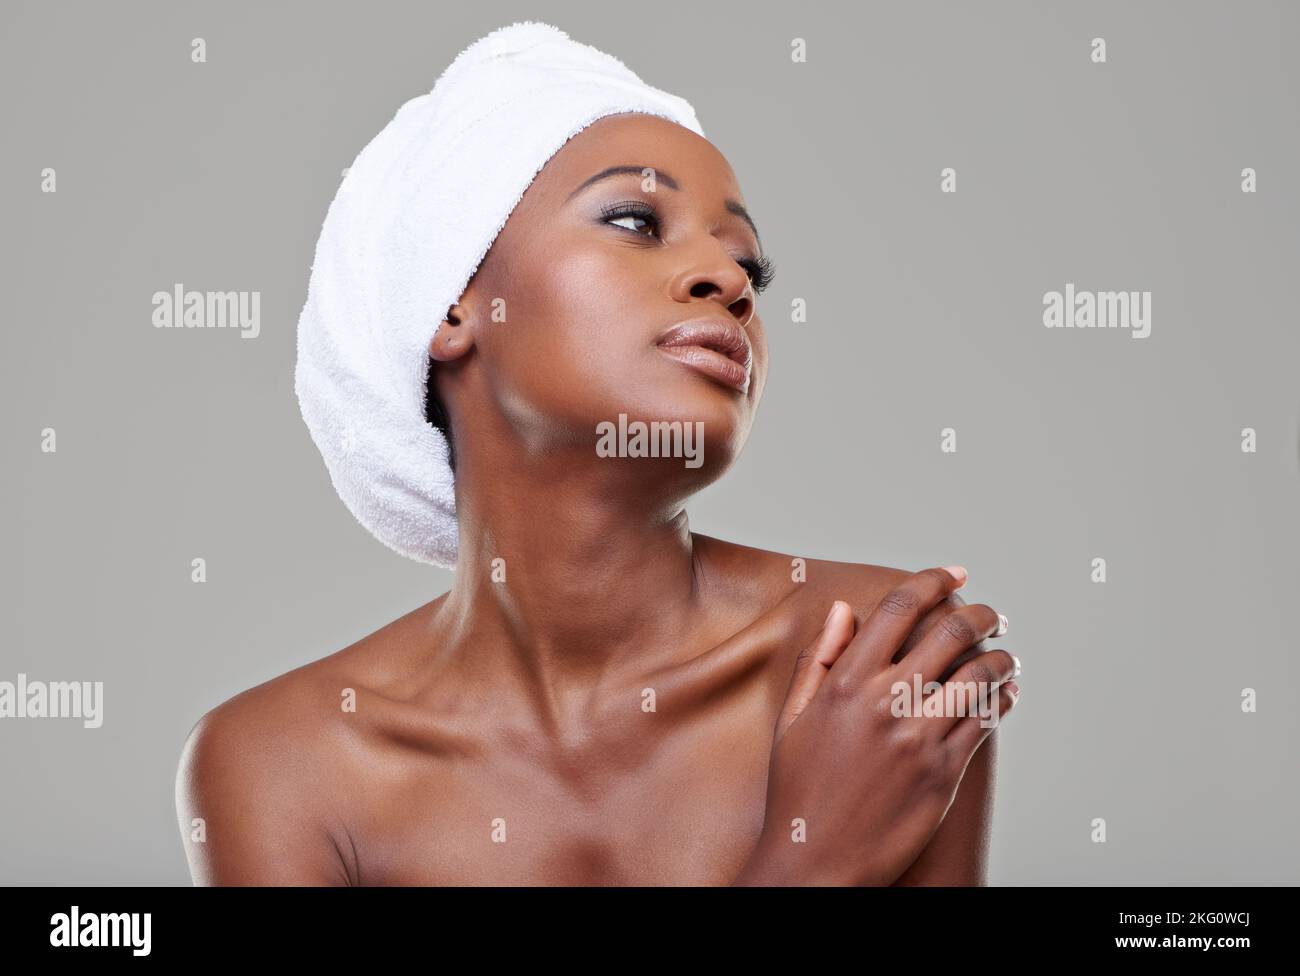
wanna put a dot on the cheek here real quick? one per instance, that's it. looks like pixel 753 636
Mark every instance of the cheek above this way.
pixel 764 358
pixel 758 341
pixel 572 338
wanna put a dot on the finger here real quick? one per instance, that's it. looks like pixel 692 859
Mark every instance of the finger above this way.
pixel 973 689
pixel 814 661
pixel 968 731
pixel 968 734
pixel 888 625
pixel 959 630
pixel 936 614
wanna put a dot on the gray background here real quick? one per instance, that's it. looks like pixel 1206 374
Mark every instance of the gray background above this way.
pixel 1072 444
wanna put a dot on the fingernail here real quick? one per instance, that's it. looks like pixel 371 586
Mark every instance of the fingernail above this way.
pixel 834 606
pixel 958 573
pixel 1017 671
pixel 1002 626
pixel 1012 687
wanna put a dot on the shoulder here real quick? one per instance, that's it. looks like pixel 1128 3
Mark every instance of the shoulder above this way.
pixel 785 573
pixel 248 797
pixel 283 723
pixel 263 777
pixel 263 727
pixel 271 724
pixel 957 854
pixel 807 587
pixel 864 586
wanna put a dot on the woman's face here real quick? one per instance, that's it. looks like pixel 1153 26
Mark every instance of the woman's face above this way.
pixel 595 272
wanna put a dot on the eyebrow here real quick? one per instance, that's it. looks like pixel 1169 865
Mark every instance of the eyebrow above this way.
pixel 733 206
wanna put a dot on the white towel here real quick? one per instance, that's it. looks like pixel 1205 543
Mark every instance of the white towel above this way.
pixel 410 224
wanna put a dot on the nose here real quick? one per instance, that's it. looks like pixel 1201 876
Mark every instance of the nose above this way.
pixel 717 277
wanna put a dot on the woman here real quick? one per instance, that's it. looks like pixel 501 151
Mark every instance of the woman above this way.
pixel 605 697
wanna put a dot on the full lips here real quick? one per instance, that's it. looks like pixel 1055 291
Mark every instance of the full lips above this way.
pixel 711 363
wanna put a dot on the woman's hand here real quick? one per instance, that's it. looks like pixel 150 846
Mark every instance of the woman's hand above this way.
pixel 858 784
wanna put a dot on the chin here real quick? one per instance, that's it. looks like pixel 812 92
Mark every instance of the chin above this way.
pixel 698 435
pixel 726 414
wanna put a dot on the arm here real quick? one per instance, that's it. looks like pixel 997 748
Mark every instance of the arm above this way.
pixel 958 852
pixel 839 715
pixel 261 827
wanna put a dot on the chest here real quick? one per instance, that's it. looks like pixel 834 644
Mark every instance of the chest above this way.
pixel 664 805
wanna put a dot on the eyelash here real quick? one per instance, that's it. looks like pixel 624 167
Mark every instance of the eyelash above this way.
pixel 760 270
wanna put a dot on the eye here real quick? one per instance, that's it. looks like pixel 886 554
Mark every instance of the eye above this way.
pixel 760 270
pixel 630 210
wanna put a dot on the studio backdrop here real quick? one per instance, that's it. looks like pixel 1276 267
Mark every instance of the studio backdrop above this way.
pixel 1034 315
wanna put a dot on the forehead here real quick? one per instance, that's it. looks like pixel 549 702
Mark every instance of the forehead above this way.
pixel 634 139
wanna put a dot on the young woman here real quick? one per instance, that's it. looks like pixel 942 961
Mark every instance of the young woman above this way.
pixel 604 697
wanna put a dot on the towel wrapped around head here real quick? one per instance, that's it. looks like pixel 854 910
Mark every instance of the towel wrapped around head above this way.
pixel 411 222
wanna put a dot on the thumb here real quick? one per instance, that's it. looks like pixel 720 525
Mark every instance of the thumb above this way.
pixel 814 662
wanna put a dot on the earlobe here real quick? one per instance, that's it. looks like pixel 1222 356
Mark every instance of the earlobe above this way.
pixel 454 338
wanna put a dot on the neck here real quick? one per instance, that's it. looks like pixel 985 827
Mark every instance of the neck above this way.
pixel 567 573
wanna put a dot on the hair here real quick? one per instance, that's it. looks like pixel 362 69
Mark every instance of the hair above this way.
pixel 436 414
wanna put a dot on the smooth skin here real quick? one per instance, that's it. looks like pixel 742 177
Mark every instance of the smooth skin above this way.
pixel 635 704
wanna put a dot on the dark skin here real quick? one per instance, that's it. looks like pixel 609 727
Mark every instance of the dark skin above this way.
pixel 501 733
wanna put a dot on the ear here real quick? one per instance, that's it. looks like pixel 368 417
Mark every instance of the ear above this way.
pixel 455 336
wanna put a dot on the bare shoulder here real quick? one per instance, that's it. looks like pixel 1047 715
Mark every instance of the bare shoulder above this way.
pixel 262 776
pixel 861 584
pixel 245 801
pixel 803 589
pixel 806 587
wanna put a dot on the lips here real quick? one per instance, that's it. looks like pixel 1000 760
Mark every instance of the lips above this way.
pixel 716 347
